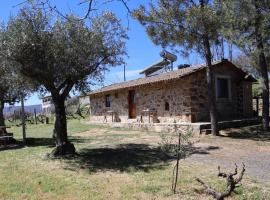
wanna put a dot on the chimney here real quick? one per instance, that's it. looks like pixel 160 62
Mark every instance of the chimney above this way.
pixel 224 60
pixel 182 66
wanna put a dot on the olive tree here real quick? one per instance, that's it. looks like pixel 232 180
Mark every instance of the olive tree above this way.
pixel 62 55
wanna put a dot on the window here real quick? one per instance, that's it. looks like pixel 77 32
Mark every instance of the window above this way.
pixel 223 85
pixel 167 106
pixel 108 100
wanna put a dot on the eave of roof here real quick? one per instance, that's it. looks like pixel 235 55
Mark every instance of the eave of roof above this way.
pixel 169 76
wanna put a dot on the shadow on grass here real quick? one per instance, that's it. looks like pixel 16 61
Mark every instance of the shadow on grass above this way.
pixel 124 157
pixel 14 146
pixel 35 142
pixel 50 142
pixel 252 133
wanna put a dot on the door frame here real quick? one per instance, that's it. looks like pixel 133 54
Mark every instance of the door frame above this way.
pixel 132 104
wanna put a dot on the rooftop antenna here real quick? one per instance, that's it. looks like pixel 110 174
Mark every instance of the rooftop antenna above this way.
pixel 124 71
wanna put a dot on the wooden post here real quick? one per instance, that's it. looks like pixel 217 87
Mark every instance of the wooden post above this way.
pixel 23 120
pixel 35 112
pixel 124 72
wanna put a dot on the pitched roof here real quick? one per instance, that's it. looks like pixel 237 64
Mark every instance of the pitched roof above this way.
pixel 172 75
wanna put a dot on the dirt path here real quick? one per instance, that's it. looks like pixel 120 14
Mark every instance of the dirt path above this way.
pixel 235 146
pixel 225 151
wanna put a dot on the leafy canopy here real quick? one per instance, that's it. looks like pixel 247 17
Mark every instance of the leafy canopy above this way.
pixel 61 54
pixel 243 22
pixel 180 23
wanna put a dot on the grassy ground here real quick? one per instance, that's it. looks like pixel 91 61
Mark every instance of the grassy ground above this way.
pixel 113 164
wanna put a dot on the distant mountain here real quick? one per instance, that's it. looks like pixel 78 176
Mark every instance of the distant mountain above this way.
pixel 29 109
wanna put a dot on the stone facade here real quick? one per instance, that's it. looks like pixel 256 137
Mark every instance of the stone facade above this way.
pixel 239 105
pixel 175 93
pixel 84 100
pixel 179 100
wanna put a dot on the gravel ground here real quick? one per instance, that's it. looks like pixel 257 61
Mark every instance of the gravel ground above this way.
pixel 225 151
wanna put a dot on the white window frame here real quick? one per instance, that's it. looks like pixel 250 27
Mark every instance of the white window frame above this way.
pixel 229 87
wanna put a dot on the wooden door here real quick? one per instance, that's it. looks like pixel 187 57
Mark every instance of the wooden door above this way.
pixel 131 104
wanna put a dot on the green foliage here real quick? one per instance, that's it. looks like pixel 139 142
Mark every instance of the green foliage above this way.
pixel 62 54
pixel 247 64
pixel 180 23
pixel 256 89
pixel 169 142
pixel 12 83
pixel 246 24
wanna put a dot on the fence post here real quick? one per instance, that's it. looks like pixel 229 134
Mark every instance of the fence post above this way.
pixel 23 120
pixel 14 116
pixel 35 115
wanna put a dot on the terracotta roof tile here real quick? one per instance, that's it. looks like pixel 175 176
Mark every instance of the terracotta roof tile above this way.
pixel 153 79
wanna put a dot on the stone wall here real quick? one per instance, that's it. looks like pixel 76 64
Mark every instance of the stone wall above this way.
pixel 239 106
pixel 187 98
pixel 175 93
pixel 84 100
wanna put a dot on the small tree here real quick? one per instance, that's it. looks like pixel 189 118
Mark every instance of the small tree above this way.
pixel 191 25
pixel 63 54
pixel 177 145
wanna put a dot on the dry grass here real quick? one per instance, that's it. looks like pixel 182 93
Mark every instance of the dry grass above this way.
pixel 113 164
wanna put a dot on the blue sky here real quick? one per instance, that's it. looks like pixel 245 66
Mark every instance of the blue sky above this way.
pixel 141 51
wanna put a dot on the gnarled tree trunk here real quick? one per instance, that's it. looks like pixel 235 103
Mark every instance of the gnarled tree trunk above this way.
pixel 63 146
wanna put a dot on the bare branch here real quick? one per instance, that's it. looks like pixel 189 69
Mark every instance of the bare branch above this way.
pixel 209 190
pixel 19 4
pixel 126 6
pixel 231 184
pixel 241 174
pixel 89 9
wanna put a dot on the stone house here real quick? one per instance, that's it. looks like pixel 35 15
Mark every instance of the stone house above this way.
pixel 84 100
pixel 175 96
pixel 47 105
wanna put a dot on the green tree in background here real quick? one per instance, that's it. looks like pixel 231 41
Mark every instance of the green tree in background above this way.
pixel 12 85
pixel 191 25
pixel 247 24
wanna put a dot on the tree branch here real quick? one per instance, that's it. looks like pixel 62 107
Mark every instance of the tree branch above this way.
pixel 126 6
pixel 88 10
pixel 231 184
pixel 66 90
